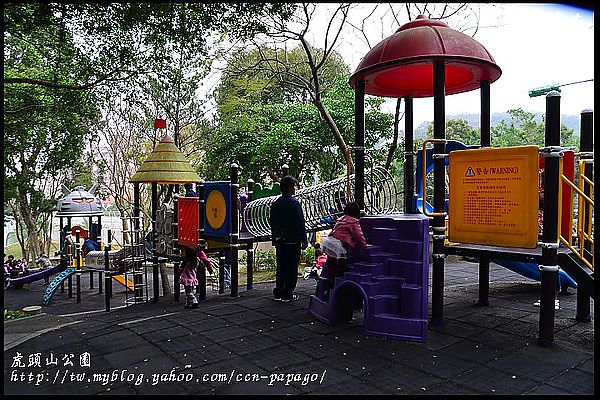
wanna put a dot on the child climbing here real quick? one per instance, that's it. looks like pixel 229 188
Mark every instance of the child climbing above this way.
pixel 347 230
pixel 188 274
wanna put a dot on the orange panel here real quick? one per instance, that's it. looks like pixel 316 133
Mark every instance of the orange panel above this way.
pixel 187 221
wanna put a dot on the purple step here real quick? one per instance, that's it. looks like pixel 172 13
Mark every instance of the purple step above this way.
pixel 411 271
pixel 381 235
pixel 389 284
pixel 379 257
pixel 409 226
pixel 320 310
pixel 408 249
pixel 395 327
pixel 371 268
pixel 410 301
pixel 392 279
pixel 371 249
pixel 384 304
pixel 355 276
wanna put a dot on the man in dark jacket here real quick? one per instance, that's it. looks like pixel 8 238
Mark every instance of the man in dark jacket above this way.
pixel 288 235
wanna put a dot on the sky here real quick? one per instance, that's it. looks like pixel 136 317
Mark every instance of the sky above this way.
pixel 534 44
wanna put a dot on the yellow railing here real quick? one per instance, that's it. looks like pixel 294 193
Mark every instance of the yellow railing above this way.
pixel 584 210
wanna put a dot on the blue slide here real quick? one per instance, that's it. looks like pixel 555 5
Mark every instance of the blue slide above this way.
pixel 531 270
pixel 55 284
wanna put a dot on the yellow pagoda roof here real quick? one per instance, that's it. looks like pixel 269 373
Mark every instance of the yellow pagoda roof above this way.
pixel 166 165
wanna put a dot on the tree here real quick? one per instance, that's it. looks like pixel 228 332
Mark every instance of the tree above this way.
pixel 263 136
pixel 522 129
pixel 458 129
pixel 59 57
pixel 44 127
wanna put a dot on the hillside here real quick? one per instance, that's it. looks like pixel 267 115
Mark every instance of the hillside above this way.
pixel 571 121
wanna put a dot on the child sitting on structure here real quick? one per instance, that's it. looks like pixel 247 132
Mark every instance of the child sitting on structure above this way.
pixel 348 231
pixel 188 274
pixel 314 271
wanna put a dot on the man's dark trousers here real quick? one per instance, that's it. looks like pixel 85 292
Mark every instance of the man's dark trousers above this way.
pixel 288 257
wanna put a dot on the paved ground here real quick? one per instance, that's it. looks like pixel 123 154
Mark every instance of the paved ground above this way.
pixel 251 344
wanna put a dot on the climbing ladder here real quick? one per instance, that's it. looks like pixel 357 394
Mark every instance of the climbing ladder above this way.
pixel 55 284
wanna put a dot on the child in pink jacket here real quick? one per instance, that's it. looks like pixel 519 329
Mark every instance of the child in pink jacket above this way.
pixel 188 274
pixel 348 231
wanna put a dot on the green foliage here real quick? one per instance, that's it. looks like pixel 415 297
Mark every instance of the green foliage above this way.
pixel 249 78
pixel 262 137
pixel 265 260
pixel 309 256
pixel 519 130
pixel 522 129
pixel 458 129
pixel 10 314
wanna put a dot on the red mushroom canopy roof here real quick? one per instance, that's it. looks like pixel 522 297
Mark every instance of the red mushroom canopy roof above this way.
pixel 402 64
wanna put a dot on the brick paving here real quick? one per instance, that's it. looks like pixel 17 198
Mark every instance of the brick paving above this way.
pixel 253 345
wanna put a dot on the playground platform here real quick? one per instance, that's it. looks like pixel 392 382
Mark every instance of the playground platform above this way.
pixel 254 345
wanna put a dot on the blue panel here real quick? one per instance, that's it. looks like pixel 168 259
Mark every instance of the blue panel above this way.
pixel 224 231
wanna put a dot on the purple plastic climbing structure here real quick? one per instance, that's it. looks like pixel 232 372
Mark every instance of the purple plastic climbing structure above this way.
pixel 392 279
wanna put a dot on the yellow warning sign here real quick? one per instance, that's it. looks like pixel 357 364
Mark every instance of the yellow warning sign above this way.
pixel 493 196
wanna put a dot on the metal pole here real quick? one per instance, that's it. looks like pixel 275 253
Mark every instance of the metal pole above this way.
pixel 484 260
pixel 359 143
pixel 439 203
pixel 201 289
pixel 549 262
pixel 155 272
pixel 221 272
pixel 234 242
pixel 78 263
pixel 409 165
pixel 62 250
pixel 99 246
pixel 137 279
pixel 586 146
pixel 70 257
pixel 250 251
pixel 107 280
pixel 90 237
pixel 176 263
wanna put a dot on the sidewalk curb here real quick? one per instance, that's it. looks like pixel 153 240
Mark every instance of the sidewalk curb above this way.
pixel 23 337
pixel 24 318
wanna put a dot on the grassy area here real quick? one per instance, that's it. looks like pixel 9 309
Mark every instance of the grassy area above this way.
pixel 15 250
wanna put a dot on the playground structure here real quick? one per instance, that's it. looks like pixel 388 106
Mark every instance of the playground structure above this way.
pixel 527 269
pixel 323 203
pixel 426 58
pixel 118 266
pixel 423 58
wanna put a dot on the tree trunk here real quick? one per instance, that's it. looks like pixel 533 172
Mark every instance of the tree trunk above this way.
pixel 164 277
pixel 394 144
pixel 29 220
pixel 333 126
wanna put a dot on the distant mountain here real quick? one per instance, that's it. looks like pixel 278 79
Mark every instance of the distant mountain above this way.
pixel 571 121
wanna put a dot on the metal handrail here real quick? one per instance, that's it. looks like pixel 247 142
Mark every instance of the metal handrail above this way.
pixel 584 201
pixel 424 195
